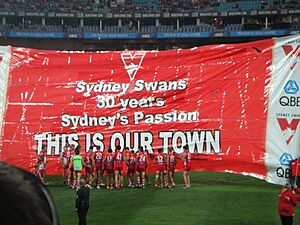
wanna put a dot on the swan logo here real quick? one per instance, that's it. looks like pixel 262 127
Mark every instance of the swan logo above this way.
pixel 288 129
pixel 132 61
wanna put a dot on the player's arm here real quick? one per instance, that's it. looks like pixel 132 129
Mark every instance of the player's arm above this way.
pixel 61 157
pixel 166 157
pixel 183 156
pixel 127 161
pixel 84 164
pixel 154 161
pixel 103 161
pixel 36 164
pixel 124 157
pixel 93 161
pixel 146 160
pixel 70 165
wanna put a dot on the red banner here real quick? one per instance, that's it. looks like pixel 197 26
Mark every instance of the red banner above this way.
pixel 213 98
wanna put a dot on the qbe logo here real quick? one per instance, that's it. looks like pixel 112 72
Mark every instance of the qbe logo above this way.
pixel 284 160
pixel 290 88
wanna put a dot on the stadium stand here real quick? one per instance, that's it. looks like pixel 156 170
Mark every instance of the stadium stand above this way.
pixel 147 19
pixel 195 28
pixel 131 6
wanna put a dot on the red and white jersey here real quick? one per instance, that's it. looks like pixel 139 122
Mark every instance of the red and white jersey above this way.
pixel 160 159
pixel 131 160
pixel 69 155
pixel 172 159
pixel 187 158
pixel 141 159
pixel 43 152
pixel 41 165
pixel 118 158
pixel 72 154
pixel 66 157
pixel 98 157
pixel 109 159
pixel 88 159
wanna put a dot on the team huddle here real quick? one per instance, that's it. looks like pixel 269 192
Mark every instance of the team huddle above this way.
pixel 98 164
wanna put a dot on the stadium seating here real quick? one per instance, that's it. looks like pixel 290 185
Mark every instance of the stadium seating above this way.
pixel 249 5
pixel 116 29
pixel 295 26
pixel 197 28
pixel 91 29
pixel 34 28
pixel 154 29
pixel 145 3
pixel 132 6
pixel 233 27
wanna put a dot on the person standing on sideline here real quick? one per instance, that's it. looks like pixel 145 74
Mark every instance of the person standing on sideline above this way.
pixel 160 160
pixel 71 174
pixel 99 164
pixel 287 201
pixel 131 163
pixel 118 167
pixel 109 169
pixel 82 202
pixel 147 180
pixel 187 162
pixel 40 168
pixel 142 164
pixel 90 170
pixel 78 163
pixel 65 161
pixel 172 161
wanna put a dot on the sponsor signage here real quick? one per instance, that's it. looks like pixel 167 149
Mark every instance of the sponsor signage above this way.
pixel 110 35
pixel 283 112
pixel 36 34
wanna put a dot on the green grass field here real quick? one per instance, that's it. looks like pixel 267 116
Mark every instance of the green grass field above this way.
pixel 214 199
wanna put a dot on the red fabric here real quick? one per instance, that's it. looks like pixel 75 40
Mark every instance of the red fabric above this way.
pixel 297 190
pixel 295 168
pixel 227 85
pixel 286 202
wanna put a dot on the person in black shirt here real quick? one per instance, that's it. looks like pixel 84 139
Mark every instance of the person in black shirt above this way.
pixel 82 202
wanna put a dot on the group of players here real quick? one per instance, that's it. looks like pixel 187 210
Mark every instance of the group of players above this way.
pixel 97 164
